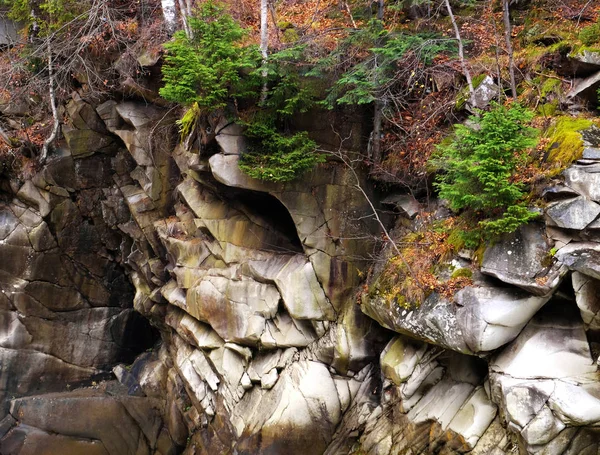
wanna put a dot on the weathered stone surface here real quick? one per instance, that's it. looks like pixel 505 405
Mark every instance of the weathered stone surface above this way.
pixel 300 290
pixel 585 88
pixel 400 357
pixel 485 92
pixel 552 345
pixel 521 259
pixel 328 212
pixel 404 203
pixel 122 425
pixel 433 321
pixel 587 295
pixel 585 180
pixel 231 139
pixel 583 257
pixel 193 331
pixel 237 310
pixel 575 213
pixel 490 317
pixel 298 415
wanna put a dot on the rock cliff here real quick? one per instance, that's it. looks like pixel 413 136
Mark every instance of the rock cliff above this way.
pixel 245 294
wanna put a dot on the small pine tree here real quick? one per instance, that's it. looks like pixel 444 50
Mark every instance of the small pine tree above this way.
pixel 479 165
pixel 206 69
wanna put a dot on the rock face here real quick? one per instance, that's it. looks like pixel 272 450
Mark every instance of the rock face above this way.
pixel 251 289
pixel 534 323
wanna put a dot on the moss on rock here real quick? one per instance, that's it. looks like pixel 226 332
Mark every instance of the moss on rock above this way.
pixel 565 144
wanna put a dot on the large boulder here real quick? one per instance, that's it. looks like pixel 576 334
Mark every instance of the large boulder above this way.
pixel 523 259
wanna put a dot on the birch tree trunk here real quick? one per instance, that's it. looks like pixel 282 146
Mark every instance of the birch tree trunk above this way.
pixel 56 123
pixel 170 14
pixel 184 18
pixel 509 49
pixel 264 43
pixel 461 54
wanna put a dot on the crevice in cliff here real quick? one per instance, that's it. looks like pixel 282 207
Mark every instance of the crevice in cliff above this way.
pixel 270 209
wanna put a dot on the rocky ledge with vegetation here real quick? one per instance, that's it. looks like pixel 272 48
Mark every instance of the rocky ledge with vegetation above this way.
pixel 299 227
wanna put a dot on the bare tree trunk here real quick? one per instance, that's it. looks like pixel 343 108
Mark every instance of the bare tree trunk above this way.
pixel 509 49
pixel 264 44
pixel 380 9
pixel 497 40
pixel 52 94
pixel 184 18
pixel 461 54
pixel 376 135
pixel 170 14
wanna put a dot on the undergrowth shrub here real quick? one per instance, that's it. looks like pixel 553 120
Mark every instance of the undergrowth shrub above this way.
pixel 207 72
pixel 590 35
pixel 275 157
pixel 479 167
pixel 206 69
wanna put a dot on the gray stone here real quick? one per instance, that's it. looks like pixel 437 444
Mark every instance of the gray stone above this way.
pixel 585 180
pixel 404 203
pixel 231 139
pixel 269 380
pixel 585 88
pixel 591 153
pixel 552 345
pixel 237 310
pixel 520 259
pixel 400 357
pixel 433 321
pixel 483 93
pixel 587 295
pixel 490 317
pixel 583 257
pixel 300 290
pixel 574 214
pixel 474 417
pixel 299 415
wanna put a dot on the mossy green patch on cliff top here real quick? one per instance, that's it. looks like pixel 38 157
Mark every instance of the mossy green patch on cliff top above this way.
pixel 565 144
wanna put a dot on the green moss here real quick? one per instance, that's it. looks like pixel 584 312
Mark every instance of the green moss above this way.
pixel 590 35
pixel 290 35
pixel 456 239
pixel 462 272
pixel 565 144
pixel 550 86
pixel 548 109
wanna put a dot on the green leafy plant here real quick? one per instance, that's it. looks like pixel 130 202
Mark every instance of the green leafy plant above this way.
pixel 48 15
pixel 272 155
pixel 479 167
pixel 275 157
pixel 590 35
pixel 363 81
pixel 206 69
pixel 289 90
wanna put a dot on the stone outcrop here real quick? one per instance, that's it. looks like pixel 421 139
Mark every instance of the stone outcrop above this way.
pixel 533 324
pixel 251 287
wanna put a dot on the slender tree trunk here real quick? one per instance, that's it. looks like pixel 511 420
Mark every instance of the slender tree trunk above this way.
pixel 56 124
pixel 497 40
pixel 264 43
pixel 170 14
pixel 380 9
pixel 376 137
pixel 377 109
pixel 184 18
pixel 509 49
pixel 461 54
